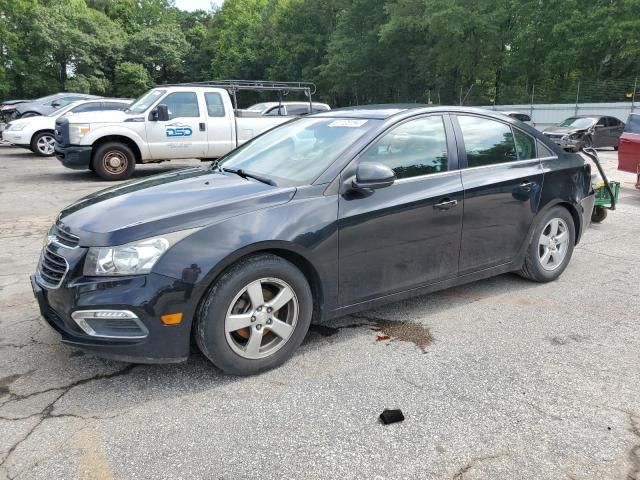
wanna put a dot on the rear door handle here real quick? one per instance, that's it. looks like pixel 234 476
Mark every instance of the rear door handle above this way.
pixel 202 126
pixel 445 204
pixel 526 186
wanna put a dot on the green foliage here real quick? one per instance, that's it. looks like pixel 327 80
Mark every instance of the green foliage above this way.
pixel 357 51
pixel 131 80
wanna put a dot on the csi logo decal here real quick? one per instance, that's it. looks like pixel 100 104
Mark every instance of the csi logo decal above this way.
pixel 178 130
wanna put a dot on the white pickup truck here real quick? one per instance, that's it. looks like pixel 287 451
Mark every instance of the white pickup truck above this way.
pixel 168 122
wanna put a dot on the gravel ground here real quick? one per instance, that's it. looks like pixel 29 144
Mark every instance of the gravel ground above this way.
pixel 500 379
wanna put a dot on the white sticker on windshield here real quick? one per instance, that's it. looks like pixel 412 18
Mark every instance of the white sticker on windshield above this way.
pixel 347 123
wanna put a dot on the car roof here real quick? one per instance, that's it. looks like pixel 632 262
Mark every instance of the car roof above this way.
pixel 385 111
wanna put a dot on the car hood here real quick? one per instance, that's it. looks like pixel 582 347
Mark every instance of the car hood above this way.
pixel 35 122
pixel 11 103
pixel 101 116
pixel 564 130
pixel 173 201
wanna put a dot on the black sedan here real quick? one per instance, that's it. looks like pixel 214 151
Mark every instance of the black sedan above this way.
pixel 587 131
pixel 323 216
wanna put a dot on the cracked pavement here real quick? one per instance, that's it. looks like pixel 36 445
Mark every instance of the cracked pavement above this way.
pixel 499 379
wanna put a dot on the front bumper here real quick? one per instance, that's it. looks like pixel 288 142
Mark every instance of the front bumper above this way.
pixel 75 157
pixel 568 144
pixel 148 296
pixel 15 138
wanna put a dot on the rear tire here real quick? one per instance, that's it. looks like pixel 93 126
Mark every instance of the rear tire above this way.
pixel 255 315
pixel 551 246
pixel 113 161
pixel 42 144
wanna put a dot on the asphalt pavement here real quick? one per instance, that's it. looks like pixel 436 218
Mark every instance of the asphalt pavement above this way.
pixel 499 379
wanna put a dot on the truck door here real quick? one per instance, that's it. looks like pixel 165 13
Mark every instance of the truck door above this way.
pixel 184 135
pixel 220 135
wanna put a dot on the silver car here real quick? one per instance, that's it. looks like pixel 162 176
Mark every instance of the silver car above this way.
pixel 586 131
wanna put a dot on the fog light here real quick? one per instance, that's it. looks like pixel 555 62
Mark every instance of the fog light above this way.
pixel 110 323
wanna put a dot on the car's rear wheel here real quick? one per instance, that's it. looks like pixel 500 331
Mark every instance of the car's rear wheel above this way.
pixel 551 246
pixel 255 315
pixel 113 161
pixel 43 144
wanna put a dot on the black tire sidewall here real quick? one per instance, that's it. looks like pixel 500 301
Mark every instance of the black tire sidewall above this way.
pixel 210 334
pixel 533 263
pixel 96 161
pixel 34 144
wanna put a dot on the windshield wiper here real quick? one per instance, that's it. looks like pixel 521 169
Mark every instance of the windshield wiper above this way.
pixel 244 174
pixel 215 165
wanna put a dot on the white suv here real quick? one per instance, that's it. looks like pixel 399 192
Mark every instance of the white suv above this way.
pixel 36 133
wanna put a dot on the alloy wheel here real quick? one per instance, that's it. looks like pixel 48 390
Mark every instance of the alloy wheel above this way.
pixel 45 144
pixel 553 244
pixel 261 318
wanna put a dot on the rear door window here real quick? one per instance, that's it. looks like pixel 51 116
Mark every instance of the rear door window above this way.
pixel 215 108
pixel 486 141
pixel 633 124
pixel 87 107
pixel 297 109
pixel 525 145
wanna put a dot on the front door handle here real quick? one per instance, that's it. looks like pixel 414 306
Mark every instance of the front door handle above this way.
pixel 202 126
pixel 445 204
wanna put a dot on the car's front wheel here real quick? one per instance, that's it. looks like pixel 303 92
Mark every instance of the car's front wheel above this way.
pixel 113 161
pixel 255 315
pixel 551 246
pixel 43 144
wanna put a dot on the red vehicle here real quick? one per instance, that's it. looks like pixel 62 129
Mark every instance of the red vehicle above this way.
pixel 629 147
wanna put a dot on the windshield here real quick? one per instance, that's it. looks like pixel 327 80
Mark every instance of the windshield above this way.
pixel 258 107
pixel 578 122
pixel 298 151
pixel 145 101
pixel 46 99
pixel 60 110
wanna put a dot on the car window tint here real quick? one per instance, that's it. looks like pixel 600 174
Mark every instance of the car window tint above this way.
pixel 275 112
pixel 544 151
pixel 87 107
pixel 633 124
pixel 297 109
pixel 486 141
pixel 417 147
pixel 181 104
pixel 602 121
pixel 215 108
pixel 521 116
pixel 525 145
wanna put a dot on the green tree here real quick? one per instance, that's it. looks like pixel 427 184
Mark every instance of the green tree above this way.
pixel 131 80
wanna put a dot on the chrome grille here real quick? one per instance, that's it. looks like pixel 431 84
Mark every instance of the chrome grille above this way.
pixel 65 238
pixel 51 269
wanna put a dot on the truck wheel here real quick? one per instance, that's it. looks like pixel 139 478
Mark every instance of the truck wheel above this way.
pixel 551 246
pixel 599 214
pixel 113 161
pixel 255 315
pixel 42 144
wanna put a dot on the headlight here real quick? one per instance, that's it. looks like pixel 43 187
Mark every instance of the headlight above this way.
pixel 134 258
pixel 77 131
pixel 17 128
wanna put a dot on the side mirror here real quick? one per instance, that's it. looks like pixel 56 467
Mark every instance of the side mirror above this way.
pixel 370 176
pixel 55 104
pixel 160 113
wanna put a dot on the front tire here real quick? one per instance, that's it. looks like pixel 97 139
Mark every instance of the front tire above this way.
pixel 42 144
pixel 113 161
pixel 551 246
pixel 255 315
